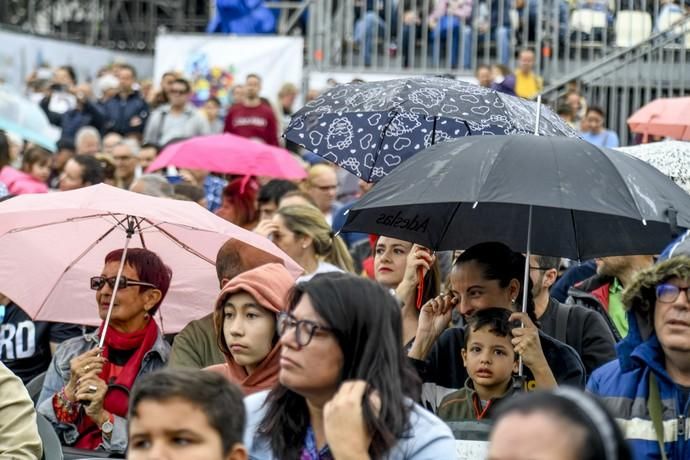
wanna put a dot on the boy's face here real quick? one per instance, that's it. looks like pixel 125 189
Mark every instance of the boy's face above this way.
pixel 489 359
pixel 173 429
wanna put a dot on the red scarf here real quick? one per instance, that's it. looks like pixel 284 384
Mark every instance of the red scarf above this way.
pixel 116 399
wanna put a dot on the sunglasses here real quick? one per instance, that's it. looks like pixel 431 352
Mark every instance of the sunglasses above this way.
pixel 97 283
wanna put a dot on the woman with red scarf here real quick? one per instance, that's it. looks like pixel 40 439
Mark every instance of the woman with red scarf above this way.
pixel 86 389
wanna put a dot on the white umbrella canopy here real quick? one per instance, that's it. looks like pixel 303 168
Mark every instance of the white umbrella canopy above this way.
pixel 670 157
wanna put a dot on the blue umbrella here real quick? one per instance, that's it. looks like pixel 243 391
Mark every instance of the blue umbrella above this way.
pixel 370 128
pixel 20 116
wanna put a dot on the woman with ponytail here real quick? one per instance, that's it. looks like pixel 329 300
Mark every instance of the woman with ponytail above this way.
pixel 488 275
pixel 303 233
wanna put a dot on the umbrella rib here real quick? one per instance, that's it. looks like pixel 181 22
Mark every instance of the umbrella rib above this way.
pixel 577 243
pixel 68 220
pixel 77 259
pixel 181 244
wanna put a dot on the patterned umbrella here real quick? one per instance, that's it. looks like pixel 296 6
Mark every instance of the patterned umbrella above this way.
pixel 670 157
pixel 371 128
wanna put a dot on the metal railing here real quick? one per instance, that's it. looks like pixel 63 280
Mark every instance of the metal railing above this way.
pixel 404 35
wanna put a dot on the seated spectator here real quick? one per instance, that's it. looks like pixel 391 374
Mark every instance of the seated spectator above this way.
pixel 19 438
pixel 450 20
pixel 490 361
pixel 369 25
pixel 245 324
pixel 321 185
pixel 487 275
pixel 86 389
pixel 147 153
pixel 26 346
pixel 87 141
pixel 176 119
pixel 81 171
pixel 483 75
pixel 503 79
pixel 396 266
pixel 239 203
pixel 152 185
pixel 304 235
pixel 110 140
pixel 34 174
pixel 494 25
pixel 560 424
pixel 192 193
pixel 596 133
pixel 270 195
pixel 183 414
pixel 647 388
pixel 211 111
pixel 126 156
pixel 296 198
pixel 356 399
pixel 196 346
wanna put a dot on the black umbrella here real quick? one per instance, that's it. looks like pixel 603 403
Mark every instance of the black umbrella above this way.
pixel 371 128
pixel 556 196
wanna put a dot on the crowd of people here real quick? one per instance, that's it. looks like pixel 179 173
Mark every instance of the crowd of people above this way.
pixel 380 348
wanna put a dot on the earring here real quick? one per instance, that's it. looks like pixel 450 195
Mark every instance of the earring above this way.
pixel 147 316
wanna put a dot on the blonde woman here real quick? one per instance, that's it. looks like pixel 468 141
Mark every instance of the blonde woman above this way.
pixel 303 233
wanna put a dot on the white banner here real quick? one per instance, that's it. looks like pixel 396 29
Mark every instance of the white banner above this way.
pixel 215 63
pixel 21 54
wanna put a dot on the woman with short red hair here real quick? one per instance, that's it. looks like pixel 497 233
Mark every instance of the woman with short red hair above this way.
pixel 86 389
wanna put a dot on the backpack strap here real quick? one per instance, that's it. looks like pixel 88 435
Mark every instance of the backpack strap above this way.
pixel 654 408
pixel 562 315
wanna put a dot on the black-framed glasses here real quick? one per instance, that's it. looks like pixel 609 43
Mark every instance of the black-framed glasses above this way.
pixel 541 268
pixel 667 293
pixel 97 282
pixel 304 329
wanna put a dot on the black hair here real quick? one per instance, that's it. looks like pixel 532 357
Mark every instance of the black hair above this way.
pixel 274 190
pixel 502 264
pixel 70 71
pixel 603 438
pixel 596 109
pixel 220 400
pixel 548 262
pixel 367 325
pixel 150 145
pixel 253 75
pixel 495 318
pixel 92 170
pixel 66 144
pixel 4 150
pixel 564 109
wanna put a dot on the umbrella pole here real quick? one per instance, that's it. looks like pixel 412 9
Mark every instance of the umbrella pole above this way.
pixel 525 280
pixel 130 232
pixel 536 123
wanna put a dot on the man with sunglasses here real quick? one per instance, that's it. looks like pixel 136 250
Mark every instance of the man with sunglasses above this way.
pixel 177 119
pixel 581 328
pixel 647 389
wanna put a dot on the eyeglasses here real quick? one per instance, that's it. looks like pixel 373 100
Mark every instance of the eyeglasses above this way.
pixel 304 329
pixel 97 283
pixel 667 293
pixel 542 268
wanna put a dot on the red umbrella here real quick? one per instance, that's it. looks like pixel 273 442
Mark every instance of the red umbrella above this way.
pixel 230 154
pixel 663 117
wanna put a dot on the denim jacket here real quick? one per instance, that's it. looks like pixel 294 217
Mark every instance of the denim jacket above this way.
pixel 58 375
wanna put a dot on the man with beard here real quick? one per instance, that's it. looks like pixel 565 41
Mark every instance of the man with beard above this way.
pixel 581 328
pixel 602 292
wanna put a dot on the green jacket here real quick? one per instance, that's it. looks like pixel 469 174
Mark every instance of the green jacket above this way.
pixel 196 345
pixel 464 404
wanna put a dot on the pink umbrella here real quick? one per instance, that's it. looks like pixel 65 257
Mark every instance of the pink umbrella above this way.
pixel 667 117
pixel 51 244
pixel 230 154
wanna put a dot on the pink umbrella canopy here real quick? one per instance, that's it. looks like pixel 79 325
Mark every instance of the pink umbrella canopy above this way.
pixel 51 244
pixel 668 117
pixel 230 154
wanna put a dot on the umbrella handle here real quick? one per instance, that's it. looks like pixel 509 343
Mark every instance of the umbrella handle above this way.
pixel 420 287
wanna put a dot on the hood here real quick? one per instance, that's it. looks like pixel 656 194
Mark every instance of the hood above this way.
pixel 270 285
pixel 640 298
